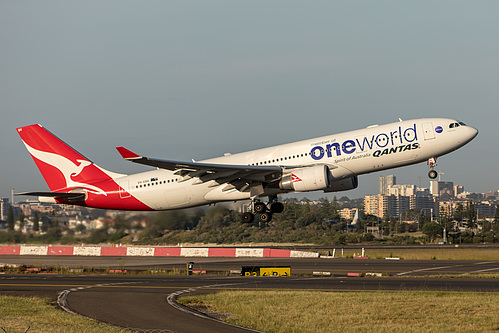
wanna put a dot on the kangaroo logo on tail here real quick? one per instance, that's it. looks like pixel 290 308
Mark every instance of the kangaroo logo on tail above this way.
pixel 67 168
pixel 73 169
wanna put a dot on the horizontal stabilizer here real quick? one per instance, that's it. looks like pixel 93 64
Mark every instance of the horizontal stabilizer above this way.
pixel 67 196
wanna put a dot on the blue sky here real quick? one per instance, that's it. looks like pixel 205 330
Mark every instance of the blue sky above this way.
pixel 195 79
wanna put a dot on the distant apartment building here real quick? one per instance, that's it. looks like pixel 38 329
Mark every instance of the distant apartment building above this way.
pixel 486 208
pixel 434 188
pixel 448 208
pixel 374 204
pixel 458 189
pixel 438 188
pixel 494 194
pixel 407 190
pixel 446 188
pixel 403 190
pixel 348 213
pixel 425 203
pixel 4 208
pixel 395 199
pixel 384 205
pixel 385 182
pixel 483 209
pixel 393 205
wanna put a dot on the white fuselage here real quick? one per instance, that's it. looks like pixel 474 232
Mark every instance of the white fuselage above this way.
pixel 346 154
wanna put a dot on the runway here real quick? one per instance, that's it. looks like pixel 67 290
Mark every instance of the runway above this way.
pixel 146 301
pixel 299 266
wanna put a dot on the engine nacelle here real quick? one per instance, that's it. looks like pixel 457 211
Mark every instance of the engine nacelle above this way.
pixel 311 178
pixel 344 184
pixel 317 177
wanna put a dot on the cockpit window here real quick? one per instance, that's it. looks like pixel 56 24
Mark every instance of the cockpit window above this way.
pixel 454 125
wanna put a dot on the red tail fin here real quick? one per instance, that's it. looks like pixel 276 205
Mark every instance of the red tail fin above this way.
pixel 62 167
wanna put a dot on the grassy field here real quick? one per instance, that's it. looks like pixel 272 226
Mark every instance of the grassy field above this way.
pixel 283 311
pixel 448 253
pixel 20 313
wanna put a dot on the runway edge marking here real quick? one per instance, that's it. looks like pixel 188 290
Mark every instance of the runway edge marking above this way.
pixel 428 269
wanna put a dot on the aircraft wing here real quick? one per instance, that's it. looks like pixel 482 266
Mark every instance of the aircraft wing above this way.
pixel 239 176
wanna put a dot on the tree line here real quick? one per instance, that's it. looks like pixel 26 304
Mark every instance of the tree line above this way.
pixel 319 224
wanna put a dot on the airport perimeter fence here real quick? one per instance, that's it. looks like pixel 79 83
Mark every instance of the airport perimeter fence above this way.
pixel 15 325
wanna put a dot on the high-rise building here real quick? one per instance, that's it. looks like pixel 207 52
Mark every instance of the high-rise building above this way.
pixel 434 188
pixel 385 182
pixel 446 188
pixel 404 190
pixel 425 203
pixel 458 189
pixel 386 205
pixel 4 209
pixel 393 205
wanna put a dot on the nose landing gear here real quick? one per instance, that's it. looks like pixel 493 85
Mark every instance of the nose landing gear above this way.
pixel 432 163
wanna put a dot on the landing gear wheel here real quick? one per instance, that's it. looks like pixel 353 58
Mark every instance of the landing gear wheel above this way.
pixel 277 207
pixel 432 174
pixel 247 217
pixel 259 207
pixel 265 217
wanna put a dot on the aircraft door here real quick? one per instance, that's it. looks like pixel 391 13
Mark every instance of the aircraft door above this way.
pixel 428 131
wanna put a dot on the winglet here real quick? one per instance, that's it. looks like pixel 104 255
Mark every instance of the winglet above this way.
pixel 127 154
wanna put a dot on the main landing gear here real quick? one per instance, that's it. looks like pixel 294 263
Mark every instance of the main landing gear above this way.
pixel 263 210
pixel 432 163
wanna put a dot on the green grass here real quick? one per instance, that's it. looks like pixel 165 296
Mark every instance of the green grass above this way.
pixel 19 313
pixel 455 253
pixel 462 276
pixel 303 311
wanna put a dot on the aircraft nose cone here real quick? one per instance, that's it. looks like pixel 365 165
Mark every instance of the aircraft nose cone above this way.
pixel 473 132
pixel 469 134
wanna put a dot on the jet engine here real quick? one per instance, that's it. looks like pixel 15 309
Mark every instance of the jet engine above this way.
pixel 311 178
pixel 317 177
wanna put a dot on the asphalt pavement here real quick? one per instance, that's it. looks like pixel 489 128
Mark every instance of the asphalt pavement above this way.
pixel 147 301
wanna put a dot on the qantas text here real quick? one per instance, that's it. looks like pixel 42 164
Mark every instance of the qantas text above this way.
pixel 403 138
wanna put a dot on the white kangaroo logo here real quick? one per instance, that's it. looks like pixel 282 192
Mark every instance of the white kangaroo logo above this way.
pixel 66 167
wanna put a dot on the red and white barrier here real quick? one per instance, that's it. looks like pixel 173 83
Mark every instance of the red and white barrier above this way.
pixel 153 251
pixel 60 251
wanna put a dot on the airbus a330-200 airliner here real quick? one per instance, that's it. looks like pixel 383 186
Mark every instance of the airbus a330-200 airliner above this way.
pixel 330 163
